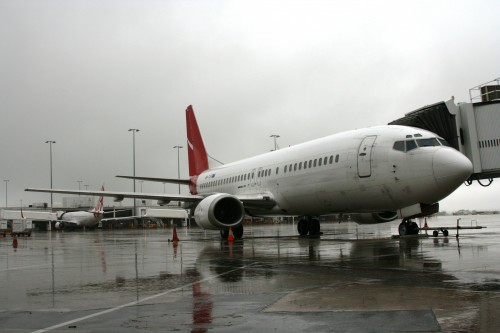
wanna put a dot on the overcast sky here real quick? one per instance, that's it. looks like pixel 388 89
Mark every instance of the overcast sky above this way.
pixel 82 73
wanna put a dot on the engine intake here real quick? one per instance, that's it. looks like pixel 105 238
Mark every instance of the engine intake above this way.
pixel 219 211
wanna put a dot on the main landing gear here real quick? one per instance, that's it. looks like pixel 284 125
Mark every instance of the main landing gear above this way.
pixel 408 227
pixel 309 225
pixel 237 232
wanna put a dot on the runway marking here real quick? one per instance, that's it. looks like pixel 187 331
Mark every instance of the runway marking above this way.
pixel 97 314
pixel 22 267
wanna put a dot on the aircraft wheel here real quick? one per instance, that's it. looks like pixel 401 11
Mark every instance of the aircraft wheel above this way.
pixel 237 232
pixel 224 234
pixel 445 233
pixel 303 227
pixel 403 229
pixel 414 229
pixel 314 227
pixel 435 233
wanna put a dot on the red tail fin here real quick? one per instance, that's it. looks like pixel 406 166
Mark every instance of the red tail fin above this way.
pixel 198 160
pixel 100 205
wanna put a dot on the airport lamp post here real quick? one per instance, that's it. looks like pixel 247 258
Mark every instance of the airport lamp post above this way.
pixel 275 136
pixel 133 130
pixel 50 142
pixel 178 167
pixel 6 192
pixel 79 184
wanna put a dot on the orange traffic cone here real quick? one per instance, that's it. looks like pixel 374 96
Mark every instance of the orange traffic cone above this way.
pixel 14 242
pixel 174 237
pixel 231 236
pixel 426 227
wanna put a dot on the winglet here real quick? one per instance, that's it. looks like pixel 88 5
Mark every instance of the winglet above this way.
pixel 198 159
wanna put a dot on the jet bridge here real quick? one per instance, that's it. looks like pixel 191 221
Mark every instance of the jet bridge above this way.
pixel 472 128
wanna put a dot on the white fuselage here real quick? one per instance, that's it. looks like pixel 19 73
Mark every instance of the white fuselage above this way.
pixel 355 171
pixel 81 219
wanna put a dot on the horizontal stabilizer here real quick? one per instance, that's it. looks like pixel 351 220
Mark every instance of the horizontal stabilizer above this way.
pixel 118 196
pixel 160 180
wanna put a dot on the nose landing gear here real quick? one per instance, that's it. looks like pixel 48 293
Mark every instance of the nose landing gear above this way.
pixel 408 227
pixel 308 225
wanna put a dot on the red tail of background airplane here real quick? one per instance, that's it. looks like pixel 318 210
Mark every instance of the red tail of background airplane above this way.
pixel 197 155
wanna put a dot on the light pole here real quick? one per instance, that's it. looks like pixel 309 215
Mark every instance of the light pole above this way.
pixel 79 184
pixel 50 142
pixel 133 130
pixel 178 167
pixel 6 192
pixel 275 136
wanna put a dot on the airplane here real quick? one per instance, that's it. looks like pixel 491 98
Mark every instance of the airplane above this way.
pixel 80 219
pixel 376 174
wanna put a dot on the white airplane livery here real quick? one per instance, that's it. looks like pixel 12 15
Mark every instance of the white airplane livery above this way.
pixel 80 219
pixel 375 174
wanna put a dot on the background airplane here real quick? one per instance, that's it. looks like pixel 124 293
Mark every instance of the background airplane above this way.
pixel 80 219
pixel 378 174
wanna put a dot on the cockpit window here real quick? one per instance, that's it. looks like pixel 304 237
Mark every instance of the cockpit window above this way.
pixel 399 145
pixel 430 142
pixel 444 142
pixel 410 144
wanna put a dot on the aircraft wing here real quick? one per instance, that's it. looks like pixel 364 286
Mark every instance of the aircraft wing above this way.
pixel 119 196
pixel 160 180
pixel 255 200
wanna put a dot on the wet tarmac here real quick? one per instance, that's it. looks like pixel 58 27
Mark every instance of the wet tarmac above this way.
pixel 351 279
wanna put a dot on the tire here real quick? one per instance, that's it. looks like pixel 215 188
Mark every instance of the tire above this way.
pixel 403 229
pixel 238 232
pixel 435 233
pixel 445 233
pixel 315 227
pixel 303 227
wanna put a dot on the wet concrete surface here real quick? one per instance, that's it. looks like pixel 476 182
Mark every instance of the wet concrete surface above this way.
pixel 350 279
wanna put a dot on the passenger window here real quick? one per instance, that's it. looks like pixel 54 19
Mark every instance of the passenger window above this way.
pixel 319 161
pixel 324 160
pixel 295 167
pixel 314 163
pixel 410 144
pixel 286 167
pixel 300 166
pixel 399 145
pixel 337 158
pixel 310 163
pixel 331 159
pixel 277 170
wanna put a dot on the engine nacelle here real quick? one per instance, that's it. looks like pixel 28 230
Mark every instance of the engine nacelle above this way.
pixel 59 225
pixel 372 218
pixel 219 211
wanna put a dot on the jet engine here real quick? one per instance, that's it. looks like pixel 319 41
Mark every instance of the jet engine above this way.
pixel 59 225
pixel 372 218
pixel 219 211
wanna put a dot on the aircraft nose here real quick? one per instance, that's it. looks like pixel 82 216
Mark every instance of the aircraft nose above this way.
pixel 450 168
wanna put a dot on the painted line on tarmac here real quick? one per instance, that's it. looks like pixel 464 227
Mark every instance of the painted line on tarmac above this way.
pixel 97 314
pixel 22 267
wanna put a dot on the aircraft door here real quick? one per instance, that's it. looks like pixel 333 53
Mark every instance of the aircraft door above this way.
pixel 253 180
pixel 364 156
pixel 258 177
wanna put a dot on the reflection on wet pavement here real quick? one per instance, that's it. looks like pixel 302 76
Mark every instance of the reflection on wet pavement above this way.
pixel 365 281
